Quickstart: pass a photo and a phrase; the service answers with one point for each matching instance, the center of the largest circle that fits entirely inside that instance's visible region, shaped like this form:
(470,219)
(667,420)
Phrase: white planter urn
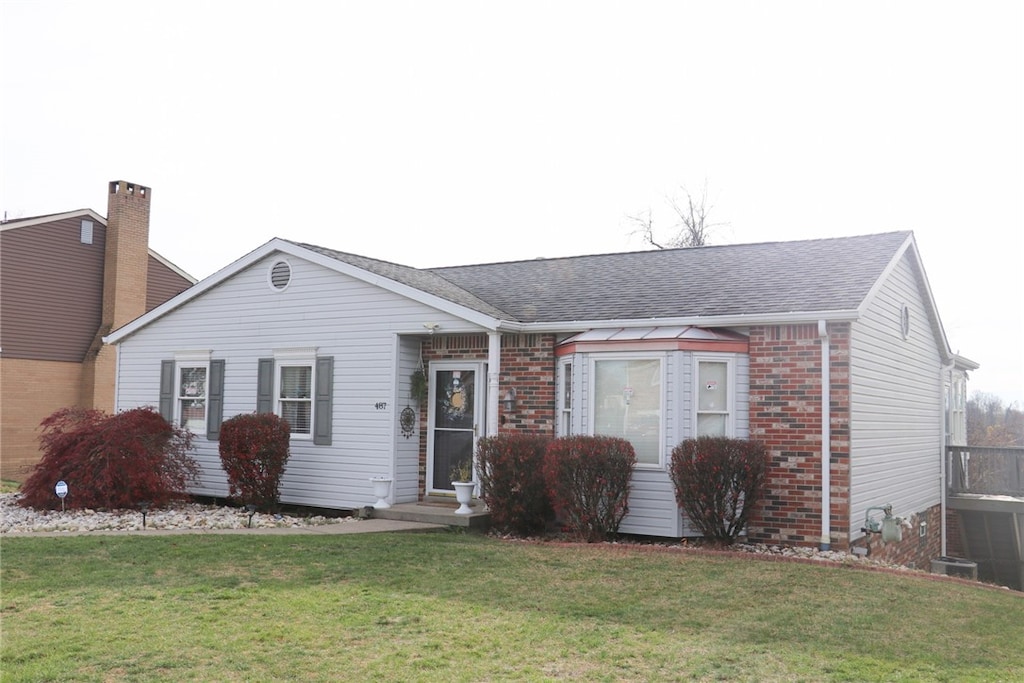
(381,489)
(464,494)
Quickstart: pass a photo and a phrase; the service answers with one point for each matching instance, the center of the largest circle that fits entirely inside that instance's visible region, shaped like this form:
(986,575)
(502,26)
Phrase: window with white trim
(628,402)
(565,399)
(298,385)
(191,372)
(295,396)
(714,402)
(294,389)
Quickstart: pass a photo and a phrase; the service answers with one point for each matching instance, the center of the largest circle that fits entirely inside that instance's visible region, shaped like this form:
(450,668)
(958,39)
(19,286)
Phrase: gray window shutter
(215,400)
(323,405)
(167,390)
(265,386)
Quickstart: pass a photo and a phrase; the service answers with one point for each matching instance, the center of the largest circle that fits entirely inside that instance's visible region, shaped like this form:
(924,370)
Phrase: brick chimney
(127,257)
(125,273)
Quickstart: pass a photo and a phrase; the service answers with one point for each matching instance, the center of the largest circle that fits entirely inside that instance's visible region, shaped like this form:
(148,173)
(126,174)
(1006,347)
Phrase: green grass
(459,607)
(8,486)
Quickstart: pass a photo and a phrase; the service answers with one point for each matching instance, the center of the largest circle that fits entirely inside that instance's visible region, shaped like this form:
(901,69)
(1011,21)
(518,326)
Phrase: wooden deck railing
(984,470)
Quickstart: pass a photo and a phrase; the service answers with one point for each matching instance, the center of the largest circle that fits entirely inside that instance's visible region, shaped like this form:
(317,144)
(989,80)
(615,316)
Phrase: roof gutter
(742,320)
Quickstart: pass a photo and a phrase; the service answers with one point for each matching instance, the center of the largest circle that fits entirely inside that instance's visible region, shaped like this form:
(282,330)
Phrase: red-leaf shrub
(718,483)
(253,452)
(110,461)
(511,472)
(588,481)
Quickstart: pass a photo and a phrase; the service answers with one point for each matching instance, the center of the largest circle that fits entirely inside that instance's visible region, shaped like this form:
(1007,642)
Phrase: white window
(295,396)
(295,389)
(565,399)
(628,402)
(191,373)
(714,397)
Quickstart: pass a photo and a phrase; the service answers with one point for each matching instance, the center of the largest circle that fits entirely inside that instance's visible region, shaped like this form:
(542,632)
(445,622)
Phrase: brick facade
(125,273)
(30,391)
(915,549)
(785,414)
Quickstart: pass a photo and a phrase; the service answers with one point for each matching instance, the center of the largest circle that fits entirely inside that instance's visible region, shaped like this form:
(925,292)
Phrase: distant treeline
(990,423)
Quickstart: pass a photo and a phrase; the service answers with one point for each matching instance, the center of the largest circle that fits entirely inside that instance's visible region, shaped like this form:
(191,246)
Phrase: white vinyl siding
(895,403)
(407,448)
(242,320)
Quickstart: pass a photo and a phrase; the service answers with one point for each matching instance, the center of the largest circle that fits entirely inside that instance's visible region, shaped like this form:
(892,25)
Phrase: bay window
(714,401)
(628,403)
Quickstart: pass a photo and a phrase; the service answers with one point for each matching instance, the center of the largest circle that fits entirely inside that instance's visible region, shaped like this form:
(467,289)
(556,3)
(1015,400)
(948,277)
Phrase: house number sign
(61,489)
(381,405)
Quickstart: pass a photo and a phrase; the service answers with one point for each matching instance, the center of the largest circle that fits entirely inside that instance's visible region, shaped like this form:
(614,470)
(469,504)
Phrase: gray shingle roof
(423,280)
(818,276)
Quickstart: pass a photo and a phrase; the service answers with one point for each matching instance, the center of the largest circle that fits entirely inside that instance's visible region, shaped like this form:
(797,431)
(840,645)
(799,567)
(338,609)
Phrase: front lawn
(457,607)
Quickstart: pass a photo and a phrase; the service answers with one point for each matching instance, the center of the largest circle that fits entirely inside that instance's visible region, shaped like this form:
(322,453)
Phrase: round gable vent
(280,275)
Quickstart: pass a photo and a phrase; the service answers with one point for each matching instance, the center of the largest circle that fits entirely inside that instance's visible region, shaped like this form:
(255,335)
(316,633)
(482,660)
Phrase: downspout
(826,440)
(493,373)
(943,472)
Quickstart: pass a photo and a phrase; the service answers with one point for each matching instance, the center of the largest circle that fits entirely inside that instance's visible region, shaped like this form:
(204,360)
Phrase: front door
(455,419)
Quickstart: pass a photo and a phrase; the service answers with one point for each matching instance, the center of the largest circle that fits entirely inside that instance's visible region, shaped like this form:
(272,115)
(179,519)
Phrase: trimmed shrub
(588,481)
(254,450)
(511,471)
(718,483)
(110,461)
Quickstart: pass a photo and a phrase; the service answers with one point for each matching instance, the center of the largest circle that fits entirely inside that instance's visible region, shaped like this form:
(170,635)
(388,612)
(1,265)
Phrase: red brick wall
(954,536)
(785,414)
(528,365)
(914,550)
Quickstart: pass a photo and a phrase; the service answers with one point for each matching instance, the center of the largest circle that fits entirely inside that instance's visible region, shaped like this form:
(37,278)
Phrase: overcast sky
(440,133)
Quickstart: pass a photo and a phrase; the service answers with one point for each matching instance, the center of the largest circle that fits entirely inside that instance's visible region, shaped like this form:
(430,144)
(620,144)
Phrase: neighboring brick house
(65,281)
(656,346)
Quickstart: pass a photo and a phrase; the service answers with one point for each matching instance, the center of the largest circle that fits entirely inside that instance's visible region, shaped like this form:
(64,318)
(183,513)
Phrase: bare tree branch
(691,230)
(644,227)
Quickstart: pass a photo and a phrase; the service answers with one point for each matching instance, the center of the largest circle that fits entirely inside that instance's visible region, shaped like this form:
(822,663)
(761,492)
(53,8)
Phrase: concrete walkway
(363,526)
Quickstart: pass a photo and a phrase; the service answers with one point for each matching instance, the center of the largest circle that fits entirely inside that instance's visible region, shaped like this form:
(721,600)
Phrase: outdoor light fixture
(509,400)
(431,327)
(144,506)
(252,511)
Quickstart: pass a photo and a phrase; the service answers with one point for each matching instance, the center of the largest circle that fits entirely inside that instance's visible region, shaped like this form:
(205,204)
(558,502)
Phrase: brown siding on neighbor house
(162,283)
(52,289)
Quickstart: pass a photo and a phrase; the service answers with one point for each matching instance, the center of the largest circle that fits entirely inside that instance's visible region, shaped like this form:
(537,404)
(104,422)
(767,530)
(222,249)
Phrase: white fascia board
(16,223)
(278,245)
(743,320)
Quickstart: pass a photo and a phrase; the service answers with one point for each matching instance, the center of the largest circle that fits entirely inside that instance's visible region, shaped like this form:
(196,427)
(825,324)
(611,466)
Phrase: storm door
(457,393)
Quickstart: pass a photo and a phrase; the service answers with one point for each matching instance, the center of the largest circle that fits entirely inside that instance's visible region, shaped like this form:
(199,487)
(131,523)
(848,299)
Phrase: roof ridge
(674,249)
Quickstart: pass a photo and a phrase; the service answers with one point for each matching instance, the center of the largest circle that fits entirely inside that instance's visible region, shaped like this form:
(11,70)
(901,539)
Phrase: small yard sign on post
(61,489)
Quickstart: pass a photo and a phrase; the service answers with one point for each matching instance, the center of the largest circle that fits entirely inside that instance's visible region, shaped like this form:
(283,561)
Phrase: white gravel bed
(17,519)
